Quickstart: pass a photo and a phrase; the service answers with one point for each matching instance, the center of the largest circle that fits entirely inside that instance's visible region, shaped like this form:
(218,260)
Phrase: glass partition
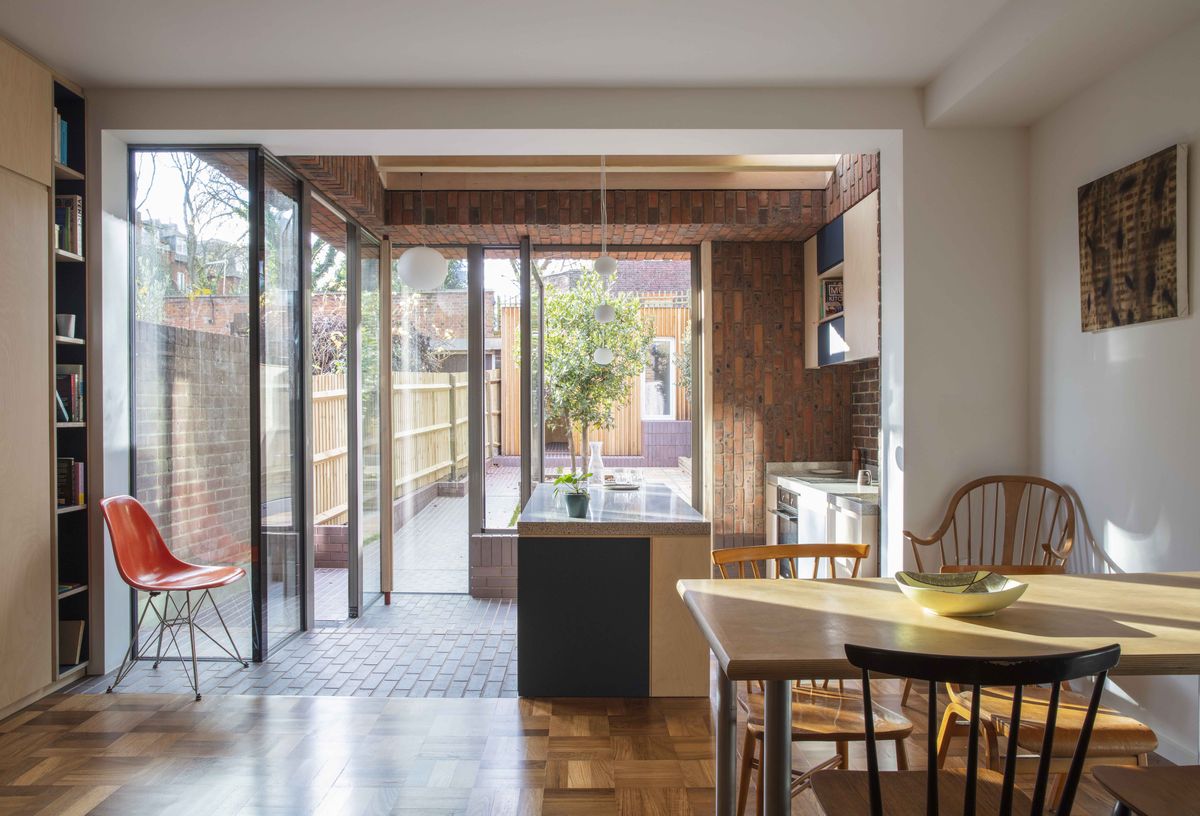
(191,374)
(370,494)
(281,426)
(330,355)
(429,404)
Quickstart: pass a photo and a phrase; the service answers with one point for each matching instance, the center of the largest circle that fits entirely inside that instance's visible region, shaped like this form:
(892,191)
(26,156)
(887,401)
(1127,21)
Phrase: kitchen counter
(652,510)
(599,615)
(842,490)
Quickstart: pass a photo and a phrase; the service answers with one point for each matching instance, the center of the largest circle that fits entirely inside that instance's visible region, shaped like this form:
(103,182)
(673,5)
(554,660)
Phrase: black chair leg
(1121,809)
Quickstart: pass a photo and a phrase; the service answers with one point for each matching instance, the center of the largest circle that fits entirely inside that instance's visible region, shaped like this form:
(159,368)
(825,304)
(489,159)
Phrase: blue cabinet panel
(831,245)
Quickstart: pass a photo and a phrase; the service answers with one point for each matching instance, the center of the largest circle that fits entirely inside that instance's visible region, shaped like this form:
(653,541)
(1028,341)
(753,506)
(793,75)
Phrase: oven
(786,517)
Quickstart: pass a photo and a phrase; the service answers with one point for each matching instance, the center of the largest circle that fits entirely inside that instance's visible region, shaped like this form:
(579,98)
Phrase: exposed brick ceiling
(548,217)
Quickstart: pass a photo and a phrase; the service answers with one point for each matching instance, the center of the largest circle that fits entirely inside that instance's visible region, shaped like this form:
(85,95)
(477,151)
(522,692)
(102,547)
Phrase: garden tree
(211,220)
(580,394)
(328,266)
(683,367)
(456,274)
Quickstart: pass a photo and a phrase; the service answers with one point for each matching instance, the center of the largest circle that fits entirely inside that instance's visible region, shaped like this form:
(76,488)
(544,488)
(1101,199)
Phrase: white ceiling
(981,62)
(515,43)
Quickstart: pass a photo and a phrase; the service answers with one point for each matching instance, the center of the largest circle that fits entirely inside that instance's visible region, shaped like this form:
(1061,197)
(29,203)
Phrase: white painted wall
(1114,414)
(954,367)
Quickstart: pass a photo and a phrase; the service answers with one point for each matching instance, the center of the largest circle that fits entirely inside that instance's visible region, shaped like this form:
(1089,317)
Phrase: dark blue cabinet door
(831,245)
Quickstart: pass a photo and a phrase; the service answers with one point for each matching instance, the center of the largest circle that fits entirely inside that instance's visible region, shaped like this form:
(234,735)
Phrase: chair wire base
(174,615)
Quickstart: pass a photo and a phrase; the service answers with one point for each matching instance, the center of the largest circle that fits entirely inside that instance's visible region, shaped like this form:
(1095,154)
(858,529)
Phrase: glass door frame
(533,428)
(260,568)
(355,601)
(356,235)
(257,159)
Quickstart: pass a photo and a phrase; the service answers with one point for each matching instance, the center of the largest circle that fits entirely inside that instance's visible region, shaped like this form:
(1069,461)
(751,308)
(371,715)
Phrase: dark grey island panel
(583,622)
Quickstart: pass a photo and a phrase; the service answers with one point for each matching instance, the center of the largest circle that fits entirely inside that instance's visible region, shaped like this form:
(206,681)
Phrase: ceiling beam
(486,180)
(591,164)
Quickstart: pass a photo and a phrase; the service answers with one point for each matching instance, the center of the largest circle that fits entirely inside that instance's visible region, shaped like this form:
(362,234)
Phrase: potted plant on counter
(575,485)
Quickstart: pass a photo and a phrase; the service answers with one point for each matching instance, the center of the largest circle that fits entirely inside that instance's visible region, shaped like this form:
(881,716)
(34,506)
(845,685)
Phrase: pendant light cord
(603,206)
(421,204)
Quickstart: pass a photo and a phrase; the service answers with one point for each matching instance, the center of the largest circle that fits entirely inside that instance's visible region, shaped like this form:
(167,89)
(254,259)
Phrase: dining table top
(779,629)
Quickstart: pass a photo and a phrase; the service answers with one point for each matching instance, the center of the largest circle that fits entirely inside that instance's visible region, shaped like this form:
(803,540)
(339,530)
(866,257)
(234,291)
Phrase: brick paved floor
(420,646)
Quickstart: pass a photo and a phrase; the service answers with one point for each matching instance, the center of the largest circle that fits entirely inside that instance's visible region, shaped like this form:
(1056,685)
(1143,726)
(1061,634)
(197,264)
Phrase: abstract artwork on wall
(1133,243)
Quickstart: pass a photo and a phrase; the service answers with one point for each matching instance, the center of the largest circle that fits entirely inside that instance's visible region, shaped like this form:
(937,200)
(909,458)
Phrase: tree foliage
(581,394)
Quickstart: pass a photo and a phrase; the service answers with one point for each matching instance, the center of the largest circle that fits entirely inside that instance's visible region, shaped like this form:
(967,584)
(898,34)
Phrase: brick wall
(864,422)
(573,216)
(854,178)
(193,440)
(493,565)
(766,405)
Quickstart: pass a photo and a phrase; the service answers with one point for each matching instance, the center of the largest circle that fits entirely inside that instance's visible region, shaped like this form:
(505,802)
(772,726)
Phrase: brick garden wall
(193,440)
(766,405)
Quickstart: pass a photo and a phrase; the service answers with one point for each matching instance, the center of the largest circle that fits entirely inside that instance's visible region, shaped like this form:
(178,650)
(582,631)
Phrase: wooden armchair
(1020,525)
(1001,522)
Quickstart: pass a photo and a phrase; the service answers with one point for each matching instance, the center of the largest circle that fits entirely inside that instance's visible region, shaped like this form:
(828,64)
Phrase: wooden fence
(430,429)
(430,416)
(667,319)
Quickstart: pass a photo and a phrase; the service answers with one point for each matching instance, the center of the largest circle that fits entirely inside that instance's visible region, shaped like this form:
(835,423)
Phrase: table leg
(726,759)
(777,748)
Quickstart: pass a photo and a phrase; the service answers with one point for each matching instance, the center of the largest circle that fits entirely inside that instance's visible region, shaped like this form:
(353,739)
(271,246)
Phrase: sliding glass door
(217,427)
(365,542)
(281,409)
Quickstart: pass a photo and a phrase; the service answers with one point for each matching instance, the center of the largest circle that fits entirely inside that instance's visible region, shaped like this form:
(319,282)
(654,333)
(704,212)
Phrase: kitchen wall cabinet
(845,255)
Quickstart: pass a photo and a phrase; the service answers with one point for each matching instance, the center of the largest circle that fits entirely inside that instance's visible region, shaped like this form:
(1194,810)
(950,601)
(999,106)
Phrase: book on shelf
(61,137)
(69,388)
(71,481)
(831,297)
(70,641)
(66,586)
(68,217)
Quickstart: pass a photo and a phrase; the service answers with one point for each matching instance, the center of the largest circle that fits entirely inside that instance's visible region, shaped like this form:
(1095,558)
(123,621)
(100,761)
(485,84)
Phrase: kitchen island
(599,615)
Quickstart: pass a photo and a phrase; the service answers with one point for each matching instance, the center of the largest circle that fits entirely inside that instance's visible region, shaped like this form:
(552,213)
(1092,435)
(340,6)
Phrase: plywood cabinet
(27,116)
(26,497)
(860,276)
(850,270)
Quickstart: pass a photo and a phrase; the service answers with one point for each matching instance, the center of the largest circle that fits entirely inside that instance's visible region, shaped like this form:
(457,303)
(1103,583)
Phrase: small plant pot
(577,505)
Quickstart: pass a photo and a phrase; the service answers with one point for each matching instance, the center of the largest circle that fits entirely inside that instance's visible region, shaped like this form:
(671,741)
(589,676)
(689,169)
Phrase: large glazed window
(191,372)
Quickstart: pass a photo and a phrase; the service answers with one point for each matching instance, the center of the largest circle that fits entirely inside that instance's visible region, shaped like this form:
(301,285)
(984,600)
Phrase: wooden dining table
(778,631)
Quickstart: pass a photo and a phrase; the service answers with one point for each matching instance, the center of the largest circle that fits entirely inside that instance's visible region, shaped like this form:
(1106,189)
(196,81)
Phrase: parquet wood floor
(253,756)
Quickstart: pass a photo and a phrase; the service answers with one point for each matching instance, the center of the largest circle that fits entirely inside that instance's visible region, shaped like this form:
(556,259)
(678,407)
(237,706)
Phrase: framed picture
(1133,243)
(831,297)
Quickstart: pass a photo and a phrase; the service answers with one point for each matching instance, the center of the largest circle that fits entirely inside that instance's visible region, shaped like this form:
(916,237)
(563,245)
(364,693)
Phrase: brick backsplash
(766,406)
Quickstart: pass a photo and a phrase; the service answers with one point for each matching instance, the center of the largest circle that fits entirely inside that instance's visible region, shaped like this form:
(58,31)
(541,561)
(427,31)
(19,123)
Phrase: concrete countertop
(840,489)
(652,510)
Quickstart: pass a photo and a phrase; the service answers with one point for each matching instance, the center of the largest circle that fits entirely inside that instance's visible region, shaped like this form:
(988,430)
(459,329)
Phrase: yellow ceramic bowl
(964,594)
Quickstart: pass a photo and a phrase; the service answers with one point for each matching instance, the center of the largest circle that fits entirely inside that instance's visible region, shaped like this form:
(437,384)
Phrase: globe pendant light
(422,268)
(606,265)
(602,356)
(605,313)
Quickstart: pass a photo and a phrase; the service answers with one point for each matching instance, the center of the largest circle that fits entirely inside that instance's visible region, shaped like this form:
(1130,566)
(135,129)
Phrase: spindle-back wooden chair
(819,713)
(972,790)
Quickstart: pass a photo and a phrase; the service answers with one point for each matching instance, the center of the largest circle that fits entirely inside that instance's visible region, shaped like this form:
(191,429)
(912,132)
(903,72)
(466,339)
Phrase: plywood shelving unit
(69,295)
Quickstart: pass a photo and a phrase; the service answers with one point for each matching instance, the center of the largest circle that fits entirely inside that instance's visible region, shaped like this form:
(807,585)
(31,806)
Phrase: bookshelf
(70,403)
